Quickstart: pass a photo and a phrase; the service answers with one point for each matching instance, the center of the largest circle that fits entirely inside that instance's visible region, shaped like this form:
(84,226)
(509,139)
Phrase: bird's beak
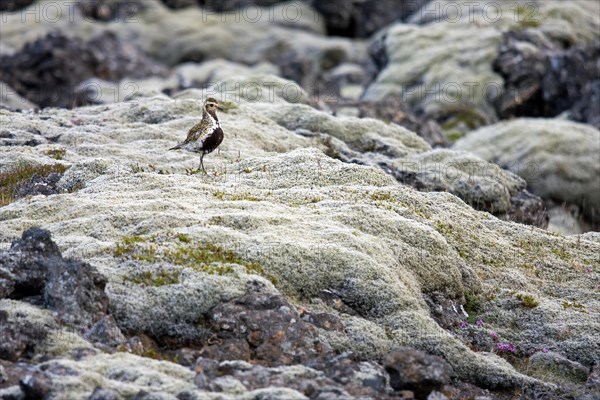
(220,107)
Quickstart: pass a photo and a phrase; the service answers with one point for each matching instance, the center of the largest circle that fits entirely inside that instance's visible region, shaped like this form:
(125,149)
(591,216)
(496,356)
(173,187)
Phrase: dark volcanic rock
(105,332)
(347,380)
(356,19)
(48,70)
(414,370)
(186,356)
(229,349)
(527,208)
(264,327)
(523,207)
(393,109)
(45,185)
(543,79)
(23,268)
(38,241)
(34,266)
(362,18)
(271,333)
(104,394)
(177,4)
(232,5)
(76,290)
(14,5)
(145,395)
(41,382)
(11,373)
(310,71)
(19,336)
(370,377)
(378,54)
(36,386)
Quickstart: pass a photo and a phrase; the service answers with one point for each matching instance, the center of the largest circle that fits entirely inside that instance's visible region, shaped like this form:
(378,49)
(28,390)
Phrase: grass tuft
(57,154)
(11,180)
(527,300)
(472,303)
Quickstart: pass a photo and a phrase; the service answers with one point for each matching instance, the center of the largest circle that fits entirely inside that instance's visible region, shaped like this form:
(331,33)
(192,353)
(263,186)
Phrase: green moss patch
(160,277)
(234,196)
(573,304)
(460,121)
(181,252)
(227,106)
(381,196)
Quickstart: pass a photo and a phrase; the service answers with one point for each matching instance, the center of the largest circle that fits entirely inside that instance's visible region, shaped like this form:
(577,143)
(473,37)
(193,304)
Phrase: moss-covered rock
(442,62)
(557,158)
(314,225)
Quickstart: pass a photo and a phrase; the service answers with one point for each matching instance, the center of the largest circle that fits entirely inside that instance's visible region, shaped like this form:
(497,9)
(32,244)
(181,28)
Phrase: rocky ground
(359,234)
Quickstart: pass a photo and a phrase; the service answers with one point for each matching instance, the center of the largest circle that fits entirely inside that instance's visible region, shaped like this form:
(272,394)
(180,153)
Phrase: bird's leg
(201,163)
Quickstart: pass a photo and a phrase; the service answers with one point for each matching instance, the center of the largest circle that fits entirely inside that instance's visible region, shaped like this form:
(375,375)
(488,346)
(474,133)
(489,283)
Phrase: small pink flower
(588,270)
(545,350)
(464,324)
(479,323)
(506,347)
(494,335)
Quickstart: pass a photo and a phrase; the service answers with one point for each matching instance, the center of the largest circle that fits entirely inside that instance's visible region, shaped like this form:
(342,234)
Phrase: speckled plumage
(206,135)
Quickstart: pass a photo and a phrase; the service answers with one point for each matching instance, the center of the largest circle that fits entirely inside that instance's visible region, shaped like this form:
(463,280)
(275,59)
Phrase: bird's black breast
(213,140)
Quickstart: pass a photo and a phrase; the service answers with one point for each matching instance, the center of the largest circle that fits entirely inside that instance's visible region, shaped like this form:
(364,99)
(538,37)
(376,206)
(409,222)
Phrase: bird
(206,135)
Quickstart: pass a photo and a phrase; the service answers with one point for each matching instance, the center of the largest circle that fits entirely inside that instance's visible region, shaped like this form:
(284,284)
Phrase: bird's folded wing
(194,132)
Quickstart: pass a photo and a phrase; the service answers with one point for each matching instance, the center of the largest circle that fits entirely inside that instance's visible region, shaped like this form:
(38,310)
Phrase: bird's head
(211,105)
